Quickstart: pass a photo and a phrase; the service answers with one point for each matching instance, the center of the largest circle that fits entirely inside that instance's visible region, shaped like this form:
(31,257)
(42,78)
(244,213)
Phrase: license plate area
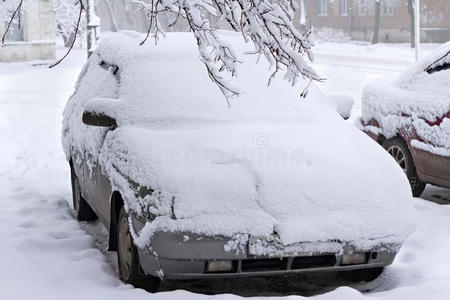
(270,247)
(270,254)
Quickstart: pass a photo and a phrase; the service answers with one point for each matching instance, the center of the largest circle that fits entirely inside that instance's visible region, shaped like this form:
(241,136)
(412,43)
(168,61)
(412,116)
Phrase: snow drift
(271,164)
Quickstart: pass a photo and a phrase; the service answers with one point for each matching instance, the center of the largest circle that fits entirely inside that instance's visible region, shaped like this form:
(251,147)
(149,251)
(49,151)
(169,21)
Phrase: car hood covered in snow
(271,164)
(305,181)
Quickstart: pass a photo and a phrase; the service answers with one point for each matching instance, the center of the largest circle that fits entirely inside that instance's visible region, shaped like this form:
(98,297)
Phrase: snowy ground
(48,255)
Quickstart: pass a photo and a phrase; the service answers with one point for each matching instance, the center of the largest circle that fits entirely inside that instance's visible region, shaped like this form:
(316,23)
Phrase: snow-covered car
(189,187)
(410,117)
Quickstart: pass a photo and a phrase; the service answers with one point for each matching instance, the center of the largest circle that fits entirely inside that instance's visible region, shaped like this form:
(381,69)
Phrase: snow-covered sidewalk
(48,255)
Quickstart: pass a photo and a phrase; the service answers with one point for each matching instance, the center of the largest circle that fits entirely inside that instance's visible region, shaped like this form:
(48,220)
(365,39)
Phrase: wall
(39,34)
(435,22)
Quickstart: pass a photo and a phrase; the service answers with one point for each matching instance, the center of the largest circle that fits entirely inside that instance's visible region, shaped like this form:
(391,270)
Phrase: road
(346,76)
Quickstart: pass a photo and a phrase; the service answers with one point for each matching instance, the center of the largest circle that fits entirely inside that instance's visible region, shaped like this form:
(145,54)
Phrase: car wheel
(83,212)
(398,149)
(128,259)
(362,274)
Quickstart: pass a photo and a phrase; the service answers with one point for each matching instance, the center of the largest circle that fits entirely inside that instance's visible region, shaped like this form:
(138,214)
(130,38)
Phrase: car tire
(362,274)
(83,212)
(398,149)
(128,259)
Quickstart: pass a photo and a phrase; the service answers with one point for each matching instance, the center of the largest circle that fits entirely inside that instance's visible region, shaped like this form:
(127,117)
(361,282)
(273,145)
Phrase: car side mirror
(101,112)
(98,119)
(343,104)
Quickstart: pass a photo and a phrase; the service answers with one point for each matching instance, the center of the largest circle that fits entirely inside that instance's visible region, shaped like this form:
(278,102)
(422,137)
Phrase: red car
(409,115)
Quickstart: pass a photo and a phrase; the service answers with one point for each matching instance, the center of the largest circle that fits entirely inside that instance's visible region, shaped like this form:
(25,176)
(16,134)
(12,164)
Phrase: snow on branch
(267,23)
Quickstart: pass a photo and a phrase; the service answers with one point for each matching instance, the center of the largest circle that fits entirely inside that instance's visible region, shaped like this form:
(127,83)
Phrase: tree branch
(11,20)
(74,37)
(267,23)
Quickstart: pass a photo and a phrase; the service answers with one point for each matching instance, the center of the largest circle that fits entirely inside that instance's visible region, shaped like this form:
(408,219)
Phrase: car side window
(101,80)
(113,69)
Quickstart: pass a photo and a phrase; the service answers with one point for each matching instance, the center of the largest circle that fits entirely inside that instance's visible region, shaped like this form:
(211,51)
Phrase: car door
(433,168)
(431,160)
(100,81)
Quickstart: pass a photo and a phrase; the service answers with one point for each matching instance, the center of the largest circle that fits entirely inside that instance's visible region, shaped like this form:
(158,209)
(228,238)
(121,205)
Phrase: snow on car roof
(170,81)
(414,92)
(438,57)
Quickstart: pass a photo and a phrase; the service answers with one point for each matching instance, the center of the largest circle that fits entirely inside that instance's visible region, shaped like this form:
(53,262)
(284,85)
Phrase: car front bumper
(186,255)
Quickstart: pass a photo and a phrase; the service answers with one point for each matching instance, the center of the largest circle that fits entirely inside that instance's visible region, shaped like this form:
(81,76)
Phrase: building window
(322,7)
(363,8)
(387,9)
(344,8)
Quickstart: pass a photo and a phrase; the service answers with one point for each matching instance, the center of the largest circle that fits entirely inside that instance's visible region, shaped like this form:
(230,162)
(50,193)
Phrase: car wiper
(438,68)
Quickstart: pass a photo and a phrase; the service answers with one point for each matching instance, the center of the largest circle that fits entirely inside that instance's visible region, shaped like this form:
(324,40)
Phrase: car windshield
(442,63)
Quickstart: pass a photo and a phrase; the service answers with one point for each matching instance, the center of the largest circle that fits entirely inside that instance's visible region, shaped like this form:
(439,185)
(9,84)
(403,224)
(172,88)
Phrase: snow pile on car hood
(306,181)
(271,164)
(414,99)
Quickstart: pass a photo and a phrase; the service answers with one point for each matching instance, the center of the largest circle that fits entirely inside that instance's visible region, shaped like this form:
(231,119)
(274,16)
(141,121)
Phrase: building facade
(34,39)
(356,19)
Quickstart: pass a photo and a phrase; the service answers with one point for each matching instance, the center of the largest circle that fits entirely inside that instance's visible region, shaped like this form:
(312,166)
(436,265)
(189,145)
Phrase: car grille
(306,262)
(281,264)
(261,265)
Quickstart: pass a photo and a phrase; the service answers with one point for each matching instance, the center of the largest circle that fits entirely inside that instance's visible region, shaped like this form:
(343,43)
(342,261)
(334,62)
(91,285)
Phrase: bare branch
(74,38)
(17,11)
